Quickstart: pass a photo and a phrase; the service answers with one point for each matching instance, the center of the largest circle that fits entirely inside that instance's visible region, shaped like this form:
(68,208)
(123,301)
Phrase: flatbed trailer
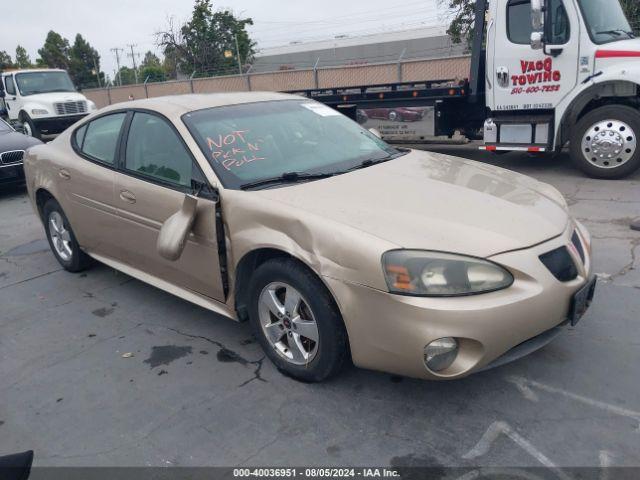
(569,75)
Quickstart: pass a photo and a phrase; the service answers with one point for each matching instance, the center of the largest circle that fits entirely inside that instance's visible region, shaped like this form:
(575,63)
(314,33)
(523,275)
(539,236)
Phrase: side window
(154,149)
(519,27)
(557,25)
(101,137)
(79,136)
(10,87)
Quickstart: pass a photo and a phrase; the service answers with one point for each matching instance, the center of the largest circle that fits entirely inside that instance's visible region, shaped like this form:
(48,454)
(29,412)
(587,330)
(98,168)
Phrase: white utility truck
(544,74)
(44,101)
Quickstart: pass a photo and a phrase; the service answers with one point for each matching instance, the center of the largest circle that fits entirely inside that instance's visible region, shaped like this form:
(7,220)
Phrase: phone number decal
(535,89)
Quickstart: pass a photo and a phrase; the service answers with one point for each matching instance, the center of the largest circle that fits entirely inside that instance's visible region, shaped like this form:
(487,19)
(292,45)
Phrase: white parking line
(500,427)
(525,385)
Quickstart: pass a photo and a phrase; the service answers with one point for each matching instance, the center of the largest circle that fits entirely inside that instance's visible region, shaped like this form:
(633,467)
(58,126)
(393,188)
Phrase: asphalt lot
(197,392)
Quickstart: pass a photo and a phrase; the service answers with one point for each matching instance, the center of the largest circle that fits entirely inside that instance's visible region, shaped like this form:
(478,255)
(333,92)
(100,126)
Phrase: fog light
(440,353)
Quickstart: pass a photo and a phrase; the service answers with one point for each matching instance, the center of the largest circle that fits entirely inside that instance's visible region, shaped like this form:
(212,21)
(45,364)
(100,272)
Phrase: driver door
(528,79)
(156,171)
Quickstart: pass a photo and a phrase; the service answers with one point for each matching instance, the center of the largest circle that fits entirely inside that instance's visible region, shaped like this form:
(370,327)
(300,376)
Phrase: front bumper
(389,332)
(10,174)
(53,125)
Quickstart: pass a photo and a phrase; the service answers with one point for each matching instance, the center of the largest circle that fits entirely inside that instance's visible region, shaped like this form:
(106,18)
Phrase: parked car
(45,101)
(398,114)
(12,147)
(278,210)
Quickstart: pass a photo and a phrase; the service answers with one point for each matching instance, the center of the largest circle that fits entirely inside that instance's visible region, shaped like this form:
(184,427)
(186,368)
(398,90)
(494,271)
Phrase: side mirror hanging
(174,232)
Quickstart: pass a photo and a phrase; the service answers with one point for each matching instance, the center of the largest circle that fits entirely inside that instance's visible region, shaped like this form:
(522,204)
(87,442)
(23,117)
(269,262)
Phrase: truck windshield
(605,20)
(252,142)
(43,82)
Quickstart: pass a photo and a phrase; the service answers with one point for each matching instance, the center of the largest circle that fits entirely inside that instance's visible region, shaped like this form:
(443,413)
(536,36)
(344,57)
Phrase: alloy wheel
(609,144)
(60,236)
(288,323)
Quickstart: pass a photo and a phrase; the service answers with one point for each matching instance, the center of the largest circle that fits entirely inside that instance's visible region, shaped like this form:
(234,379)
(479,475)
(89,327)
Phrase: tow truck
(544,74)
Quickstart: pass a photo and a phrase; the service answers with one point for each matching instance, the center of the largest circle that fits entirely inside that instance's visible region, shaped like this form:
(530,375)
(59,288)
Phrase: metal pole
(146,92)
(315,73)
(109,93)
(133,59)
(191,80)
(118,75)
(238,56)
(249,77)
(95,66)
(404,50)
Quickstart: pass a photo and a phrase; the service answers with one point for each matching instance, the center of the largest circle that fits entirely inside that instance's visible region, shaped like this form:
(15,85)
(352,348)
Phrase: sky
(108,24)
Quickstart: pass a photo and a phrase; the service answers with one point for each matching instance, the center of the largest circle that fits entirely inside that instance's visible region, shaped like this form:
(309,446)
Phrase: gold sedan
(333,244)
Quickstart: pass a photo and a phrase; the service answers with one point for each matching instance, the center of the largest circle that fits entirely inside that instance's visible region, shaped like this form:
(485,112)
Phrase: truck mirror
(537,15)
(537,40)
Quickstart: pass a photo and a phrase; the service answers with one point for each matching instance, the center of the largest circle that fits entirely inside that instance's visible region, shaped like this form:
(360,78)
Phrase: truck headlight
(437,274)
(92,106)
(39,111)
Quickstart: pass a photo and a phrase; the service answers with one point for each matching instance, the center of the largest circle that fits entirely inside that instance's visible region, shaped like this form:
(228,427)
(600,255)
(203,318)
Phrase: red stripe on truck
(616,54)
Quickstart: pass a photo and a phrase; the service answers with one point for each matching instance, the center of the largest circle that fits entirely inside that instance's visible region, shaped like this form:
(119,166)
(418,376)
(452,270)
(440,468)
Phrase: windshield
(605,20)
(44,82)
(255,141)
(4,128)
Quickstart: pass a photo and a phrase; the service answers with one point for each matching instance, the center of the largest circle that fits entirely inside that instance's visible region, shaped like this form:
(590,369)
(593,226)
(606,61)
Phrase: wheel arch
(610,92)
(249,263)
(42,196)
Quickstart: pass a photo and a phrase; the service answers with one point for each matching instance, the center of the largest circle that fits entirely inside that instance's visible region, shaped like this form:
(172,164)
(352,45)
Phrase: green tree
(22,57)
(55,52)
(5,60)
(199,44)
(632,9)
(150,60)
(463,16)
(84,64)
(126,75)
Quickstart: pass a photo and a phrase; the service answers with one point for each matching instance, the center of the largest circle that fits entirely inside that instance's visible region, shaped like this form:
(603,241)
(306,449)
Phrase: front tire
(62,240)
(29,127)
(297,321)
(606,142)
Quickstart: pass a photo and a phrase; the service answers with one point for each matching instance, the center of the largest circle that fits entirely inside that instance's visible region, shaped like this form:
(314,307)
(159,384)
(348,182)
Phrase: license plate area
(581,301)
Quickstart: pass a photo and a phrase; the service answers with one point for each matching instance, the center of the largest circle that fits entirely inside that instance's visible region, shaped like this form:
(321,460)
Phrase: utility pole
(95,67)
(133,59)
(238,56)
(117,51)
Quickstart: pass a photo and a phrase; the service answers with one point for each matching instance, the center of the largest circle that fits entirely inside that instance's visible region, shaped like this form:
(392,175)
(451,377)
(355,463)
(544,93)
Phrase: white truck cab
(45,101)
(564,71)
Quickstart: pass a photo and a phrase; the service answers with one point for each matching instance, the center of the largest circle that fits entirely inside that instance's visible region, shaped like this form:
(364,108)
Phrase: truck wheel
(296,321)
(30,128)
(605,142)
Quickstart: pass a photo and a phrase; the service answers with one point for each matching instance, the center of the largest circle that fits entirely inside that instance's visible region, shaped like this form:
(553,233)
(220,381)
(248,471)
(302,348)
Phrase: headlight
(92,106)
(39,111)
(437,274)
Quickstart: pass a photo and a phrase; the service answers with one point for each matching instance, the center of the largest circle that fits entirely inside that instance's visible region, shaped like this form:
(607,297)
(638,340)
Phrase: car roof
(174,106)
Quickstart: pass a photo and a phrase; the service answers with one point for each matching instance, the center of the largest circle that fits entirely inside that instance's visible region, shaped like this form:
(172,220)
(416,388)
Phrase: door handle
(64,174)
(127,196)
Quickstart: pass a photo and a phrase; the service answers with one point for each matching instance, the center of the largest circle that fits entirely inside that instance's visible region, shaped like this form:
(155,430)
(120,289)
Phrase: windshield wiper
(287,177)
(370,162)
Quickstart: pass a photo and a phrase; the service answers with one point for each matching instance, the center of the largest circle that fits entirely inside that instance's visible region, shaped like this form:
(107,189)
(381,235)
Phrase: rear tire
(606,143)
(62,240)
(288,302)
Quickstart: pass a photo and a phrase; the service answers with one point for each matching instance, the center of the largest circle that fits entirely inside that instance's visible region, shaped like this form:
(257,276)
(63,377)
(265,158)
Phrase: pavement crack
(635,243)
(225,354)
(30,278)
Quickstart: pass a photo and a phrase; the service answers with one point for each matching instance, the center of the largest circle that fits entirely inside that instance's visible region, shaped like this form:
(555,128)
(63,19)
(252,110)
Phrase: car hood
(16,141)
(55,97)
(436,202)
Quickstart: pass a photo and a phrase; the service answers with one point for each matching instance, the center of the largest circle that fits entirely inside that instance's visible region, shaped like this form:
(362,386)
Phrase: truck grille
(560,264)
(14,156)
(71,108)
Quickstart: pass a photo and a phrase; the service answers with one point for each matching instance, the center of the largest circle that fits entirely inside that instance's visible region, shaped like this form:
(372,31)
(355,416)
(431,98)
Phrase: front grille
(560,264)
(575,239)
(70,108)
(14,156)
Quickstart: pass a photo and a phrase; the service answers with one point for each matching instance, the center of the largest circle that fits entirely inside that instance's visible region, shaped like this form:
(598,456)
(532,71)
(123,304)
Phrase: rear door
(87,178)
(156,170)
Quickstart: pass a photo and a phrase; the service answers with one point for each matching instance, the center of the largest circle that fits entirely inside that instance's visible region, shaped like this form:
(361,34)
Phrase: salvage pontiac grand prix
(278,210)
